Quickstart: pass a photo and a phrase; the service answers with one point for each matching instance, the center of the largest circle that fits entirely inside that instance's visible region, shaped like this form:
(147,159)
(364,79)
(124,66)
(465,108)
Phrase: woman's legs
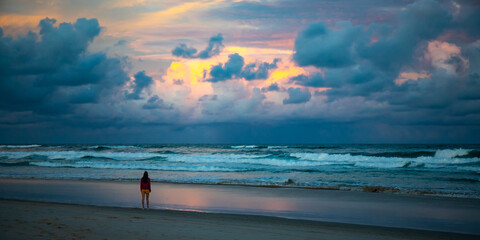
(148,205)
(143,199)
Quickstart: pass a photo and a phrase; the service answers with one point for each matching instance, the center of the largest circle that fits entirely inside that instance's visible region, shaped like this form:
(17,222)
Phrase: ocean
(446,170)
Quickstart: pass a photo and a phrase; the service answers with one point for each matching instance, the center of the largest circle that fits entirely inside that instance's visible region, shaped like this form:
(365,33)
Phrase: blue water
(451,170)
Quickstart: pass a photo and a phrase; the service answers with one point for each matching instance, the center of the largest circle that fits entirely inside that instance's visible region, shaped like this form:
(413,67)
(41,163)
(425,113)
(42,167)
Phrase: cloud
(344,44)
(235,67)
(251,107)
(394,67)
(207,98)
(420,21)
(182,50)
(232,101)
(403,64)
(322,47)
(215,45)
(156,102)
(453,83)
(315,80)
(468,20)
(447,56)
(425,93)
(140,82)
(255,71)
(231,68)
(355,75)
(409,76)
(178,81)
(297,95)
(272,87)
(52,72)
(121,42)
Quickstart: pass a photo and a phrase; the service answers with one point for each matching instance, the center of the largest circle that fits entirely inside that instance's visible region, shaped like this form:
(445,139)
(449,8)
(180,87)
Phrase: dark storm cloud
(156,102)
(345,44)
(215,45)
(140,82)
(234,67)
(359,10)
(423,20)
(373,57)
(377,55)
(471,84)
(255,71)
(231,68)
(297,95)
(294,16)
(356,75)
(360,47)
(468,19)
(84,94)
(182,50)
(51,72)
(315,80)
(271,88)
(320,47)
(208,98)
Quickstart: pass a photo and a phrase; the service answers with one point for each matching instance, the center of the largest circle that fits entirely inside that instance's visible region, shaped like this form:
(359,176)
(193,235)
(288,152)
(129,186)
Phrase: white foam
(470,169)
(385,162)
(113,146)
(311,156)
(244,146)
(20,146)
(70,155)
(451,153)
(240,158)
(250,161)
(143,166)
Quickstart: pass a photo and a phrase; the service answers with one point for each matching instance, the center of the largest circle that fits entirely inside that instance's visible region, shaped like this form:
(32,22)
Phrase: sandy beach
(74,209)
(444,214)
(37,220)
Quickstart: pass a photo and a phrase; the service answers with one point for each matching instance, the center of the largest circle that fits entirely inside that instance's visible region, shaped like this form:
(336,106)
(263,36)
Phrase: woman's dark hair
(145,177)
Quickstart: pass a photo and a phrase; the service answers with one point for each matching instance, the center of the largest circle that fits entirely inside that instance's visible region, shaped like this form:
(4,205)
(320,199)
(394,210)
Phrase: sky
(266,71)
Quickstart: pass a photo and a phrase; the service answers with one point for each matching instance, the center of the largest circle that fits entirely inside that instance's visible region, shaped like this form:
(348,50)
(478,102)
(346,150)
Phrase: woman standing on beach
(145,188)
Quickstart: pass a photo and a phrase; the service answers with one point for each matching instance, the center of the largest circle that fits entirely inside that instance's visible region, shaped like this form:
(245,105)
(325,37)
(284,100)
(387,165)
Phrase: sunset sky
(272,71)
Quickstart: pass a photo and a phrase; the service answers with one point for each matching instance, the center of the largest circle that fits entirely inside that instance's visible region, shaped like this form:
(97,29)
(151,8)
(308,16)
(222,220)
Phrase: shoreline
(372,209)
(28,219)
(365,188)
(412,170)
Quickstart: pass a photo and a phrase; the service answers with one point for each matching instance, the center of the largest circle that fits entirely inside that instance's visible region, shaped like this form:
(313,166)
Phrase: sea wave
(385,162)
(245,146)
(277,147)
(104,147)
(451,153)
(14,164)
(418,168)
(404,154)
(20,146)
(138,166)
(71,155)
(283,160)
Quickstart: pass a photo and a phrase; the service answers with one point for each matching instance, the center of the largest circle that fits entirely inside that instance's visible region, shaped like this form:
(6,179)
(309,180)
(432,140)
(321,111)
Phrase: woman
(145,188)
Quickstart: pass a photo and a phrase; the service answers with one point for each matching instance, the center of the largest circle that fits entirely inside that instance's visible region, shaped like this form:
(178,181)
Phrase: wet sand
(36,220)
(327,207)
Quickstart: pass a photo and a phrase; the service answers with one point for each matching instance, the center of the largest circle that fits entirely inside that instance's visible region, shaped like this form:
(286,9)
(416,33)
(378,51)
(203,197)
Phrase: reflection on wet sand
(380,209)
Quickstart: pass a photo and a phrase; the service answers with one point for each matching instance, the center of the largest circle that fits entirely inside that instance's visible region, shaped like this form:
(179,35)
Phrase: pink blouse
(146,185)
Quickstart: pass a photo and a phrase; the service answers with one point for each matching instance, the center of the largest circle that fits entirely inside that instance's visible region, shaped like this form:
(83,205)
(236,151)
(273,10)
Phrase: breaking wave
(416,168)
